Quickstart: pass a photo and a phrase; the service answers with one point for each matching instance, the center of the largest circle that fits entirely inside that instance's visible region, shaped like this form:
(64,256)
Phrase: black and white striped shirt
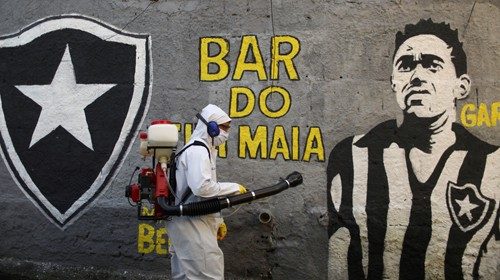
(384,223)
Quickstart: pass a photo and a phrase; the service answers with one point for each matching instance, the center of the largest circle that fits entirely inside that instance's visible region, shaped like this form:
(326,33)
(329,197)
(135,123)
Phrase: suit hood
(209,113)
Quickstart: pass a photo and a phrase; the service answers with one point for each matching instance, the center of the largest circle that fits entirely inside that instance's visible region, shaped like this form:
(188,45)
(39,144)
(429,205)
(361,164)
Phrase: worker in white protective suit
(194,248)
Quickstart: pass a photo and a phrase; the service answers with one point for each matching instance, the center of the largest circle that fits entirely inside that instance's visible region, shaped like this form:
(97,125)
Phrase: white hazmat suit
(196,253)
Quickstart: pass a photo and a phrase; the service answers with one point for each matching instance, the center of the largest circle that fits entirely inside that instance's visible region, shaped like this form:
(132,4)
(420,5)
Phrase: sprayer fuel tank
(162,138)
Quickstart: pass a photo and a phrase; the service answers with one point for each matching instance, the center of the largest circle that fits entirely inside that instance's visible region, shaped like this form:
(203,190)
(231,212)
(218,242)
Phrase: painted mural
(261,142)
(419,197)
(69,111)
(412,193)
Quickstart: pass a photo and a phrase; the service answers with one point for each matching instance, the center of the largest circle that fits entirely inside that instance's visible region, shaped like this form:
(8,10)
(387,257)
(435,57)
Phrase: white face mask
(221,138)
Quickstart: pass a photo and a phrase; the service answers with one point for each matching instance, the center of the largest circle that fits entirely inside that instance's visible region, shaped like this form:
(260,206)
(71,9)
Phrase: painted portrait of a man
(416,199)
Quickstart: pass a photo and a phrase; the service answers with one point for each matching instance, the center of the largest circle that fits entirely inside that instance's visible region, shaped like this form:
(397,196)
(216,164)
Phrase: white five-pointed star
(63,103)
(465,207)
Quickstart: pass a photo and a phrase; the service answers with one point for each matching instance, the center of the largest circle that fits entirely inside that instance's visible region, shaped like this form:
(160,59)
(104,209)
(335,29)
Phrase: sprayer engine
(159,143)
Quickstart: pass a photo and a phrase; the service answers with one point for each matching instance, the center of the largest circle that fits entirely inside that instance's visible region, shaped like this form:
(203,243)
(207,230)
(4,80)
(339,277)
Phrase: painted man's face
(424,77)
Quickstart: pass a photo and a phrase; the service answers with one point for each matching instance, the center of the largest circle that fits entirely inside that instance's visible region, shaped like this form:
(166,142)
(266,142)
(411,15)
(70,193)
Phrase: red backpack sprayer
(160,143)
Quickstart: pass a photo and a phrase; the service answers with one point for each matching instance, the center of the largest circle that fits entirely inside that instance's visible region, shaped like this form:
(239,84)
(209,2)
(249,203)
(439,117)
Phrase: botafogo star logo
(73,92)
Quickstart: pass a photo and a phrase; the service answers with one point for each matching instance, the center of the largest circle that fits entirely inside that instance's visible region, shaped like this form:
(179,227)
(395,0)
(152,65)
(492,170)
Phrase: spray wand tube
(216,204)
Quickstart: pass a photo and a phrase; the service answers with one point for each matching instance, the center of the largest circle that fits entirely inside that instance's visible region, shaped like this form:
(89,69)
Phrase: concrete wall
(67,159)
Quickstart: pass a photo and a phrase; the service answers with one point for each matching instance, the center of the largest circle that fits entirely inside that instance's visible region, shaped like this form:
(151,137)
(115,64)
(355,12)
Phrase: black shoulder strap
(195,143)
(189,192)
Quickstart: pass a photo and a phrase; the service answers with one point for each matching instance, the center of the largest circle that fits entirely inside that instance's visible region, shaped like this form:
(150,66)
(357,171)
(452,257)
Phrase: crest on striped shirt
(467,206)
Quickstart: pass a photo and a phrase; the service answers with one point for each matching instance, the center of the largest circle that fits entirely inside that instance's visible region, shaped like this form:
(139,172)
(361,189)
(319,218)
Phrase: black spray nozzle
(294,179)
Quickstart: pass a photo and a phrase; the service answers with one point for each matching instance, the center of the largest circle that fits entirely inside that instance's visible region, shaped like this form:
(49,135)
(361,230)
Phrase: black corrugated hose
(214,205)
